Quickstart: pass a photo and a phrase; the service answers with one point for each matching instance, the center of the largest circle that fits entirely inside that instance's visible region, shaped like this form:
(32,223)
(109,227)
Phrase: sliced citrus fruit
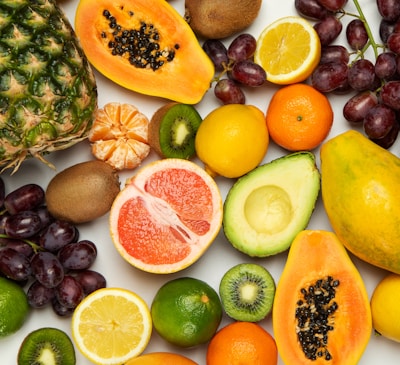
(166,216)
(288,49)
(111,326)
(119,136)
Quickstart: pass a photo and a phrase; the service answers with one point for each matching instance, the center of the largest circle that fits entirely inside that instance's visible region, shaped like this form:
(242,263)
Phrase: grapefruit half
(166,216)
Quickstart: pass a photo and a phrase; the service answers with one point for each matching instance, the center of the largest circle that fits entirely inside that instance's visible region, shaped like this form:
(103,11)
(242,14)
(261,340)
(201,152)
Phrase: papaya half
(360,192)
(321,311)
(145,46)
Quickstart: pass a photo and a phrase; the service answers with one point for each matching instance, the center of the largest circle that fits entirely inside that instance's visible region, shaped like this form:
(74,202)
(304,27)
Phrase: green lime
(14,307)
(186,312)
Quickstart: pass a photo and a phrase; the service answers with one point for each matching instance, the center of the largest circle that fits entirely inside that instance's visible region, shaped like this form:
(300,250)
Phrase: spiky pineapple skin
(48,93)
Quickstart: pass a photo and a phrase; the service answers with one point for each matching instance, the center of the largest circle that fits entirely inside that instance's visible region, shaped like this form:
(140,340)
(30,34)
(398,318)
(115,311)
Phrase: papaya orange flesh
(360,192)
(321,309)
(145,46)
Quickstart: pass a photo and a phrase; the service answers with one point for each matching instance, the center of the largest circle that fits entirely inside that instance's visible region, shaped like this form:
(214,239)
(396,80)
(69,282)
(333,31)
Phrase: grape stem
(35,247)
(371,41)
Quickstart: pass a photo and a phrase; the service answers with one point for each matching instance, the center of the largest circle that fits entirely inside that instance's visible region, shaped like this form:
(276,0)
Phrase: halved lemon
(288,49)
(111,326)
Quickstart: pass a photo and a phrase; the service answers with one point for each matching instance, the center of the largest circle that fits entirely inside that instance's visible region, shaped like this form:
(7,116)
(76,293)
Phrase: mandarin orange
(299,117)
(119,136)
(242,343)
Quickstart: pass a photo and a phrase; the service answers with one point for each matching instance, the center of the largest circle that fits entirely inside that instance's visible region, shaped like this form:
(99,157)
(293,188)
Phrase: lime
(186,312)
(14,307)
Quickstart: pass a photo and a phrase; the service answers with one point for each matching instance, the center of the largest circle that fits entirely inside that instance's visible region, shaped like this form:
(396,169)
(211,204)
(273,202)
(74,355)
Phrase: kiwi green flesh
(47,346)
(247,292)
(176,126)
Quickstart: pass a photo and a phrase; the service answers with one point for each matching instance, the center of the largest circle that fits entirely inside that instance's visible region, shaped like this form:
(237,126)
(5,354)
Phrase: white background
(220,256)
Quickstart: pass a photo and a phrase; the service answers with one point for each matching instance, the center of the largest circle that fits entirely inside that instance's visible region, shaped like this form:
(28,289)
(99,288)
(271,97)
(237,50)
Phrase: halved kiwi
(172,130)
(47,346)
(247,292)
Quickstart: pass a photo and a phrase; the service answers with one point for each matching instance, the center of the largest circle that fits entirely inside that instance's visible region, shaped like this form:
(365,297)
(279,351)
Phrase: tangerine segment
(299,117)
(111,325)
(166,216)
(289,49)
(119,136)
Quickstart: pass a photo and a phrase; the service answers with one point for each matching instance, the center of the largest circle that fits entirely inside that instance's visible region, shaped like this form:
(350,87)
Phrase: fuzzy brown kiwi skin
(217,19)
(82,192)
(154,128)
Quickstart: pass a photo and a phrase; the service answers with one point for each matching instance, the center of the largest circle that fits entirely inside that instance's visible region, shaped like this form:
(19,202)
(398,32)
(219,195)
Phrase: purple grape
(2,192)
(44,215)
(357,107)
(311,9)
(387,141)
(39,296)
(333,5)
(390,94)
(77,256)
(334,53)
(328,29)
(393,42)
(330,76)
(379,121)
(26,197)
(57,234)
(356,34)
(389,9)
(17,245)
(61,310)
(69,292)
(90,280)
(361,75)
(47,269)
(385,30)
(242,47)
(386,66)
(217,52)
(248,73)
(229,92)
(14,265)
(22,225)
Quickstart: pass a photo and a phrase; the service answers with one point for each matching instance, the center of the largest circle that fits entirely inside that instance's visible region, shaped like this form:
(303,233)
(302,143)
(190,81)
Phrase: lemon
(385,308)
(111,326)
(288,49)
(14,307)
(232,140)
(186,312)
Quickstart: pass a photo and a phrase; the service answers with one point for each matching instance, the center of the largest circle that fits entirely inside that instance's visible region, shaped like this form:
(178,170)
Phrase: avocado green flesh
(265,209)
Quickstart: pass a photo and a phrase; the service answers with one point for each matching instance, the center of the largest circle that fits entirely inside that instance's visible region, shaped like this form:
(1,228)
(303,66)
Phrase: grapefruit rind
(158,215)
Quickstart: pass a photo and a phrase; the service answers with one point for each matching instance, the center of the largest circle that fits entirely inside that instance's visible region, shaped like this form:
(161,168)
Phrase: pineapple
(48,94)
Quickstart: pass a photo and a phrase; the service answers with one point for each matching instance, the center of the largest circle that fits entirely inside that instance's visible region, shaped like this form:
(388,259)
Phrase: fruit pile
(44,253)
(351,68)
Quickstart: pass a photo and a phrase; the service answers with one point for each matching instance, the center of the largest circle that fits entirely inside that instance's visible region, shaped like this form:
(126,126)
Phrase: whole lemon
(186,312)
(232,140)
(385,308)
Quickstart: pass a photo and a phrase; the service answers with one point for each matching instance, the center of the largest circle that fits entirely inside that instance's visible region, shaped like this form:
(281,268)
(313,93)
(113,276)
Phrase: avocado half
(266,208)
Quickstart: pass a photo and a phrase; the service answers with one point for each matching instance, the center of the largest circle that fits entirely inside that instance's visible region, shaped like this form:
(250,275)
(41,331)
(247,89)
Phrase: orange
(119,136)
(161,358)
(299,117)
(242,343)
(288,49)
(166,216)
(232,140)
(111,326)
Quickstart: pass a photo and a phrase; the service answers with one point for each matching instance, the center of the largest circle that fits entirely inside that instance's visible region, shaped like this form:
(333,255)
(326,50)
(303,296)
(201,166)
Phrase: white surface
(221,256)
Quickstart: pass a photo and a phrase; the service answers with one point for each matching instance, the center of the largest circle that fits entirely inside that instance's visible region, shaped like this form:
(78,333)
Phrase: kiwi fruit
(172,130)
(217,19)
(47,346)
(247,292)
(82,192)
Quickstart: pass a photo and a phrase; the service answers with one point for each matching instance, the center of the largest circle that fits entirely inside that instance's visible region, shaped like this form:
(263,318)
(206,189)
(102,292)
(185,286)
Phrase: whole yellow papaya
(360,185)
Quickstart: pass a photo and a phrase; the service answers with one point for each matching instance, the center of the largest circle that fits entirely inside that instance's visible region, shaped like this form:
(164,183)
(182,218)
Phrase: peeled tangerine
(360,191)
(321,309)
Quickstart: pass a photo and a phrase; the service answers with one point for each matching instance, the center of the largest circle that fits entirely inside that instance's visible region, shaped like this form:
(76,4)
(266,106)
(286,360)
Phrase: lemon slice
(111,326)
(288,49)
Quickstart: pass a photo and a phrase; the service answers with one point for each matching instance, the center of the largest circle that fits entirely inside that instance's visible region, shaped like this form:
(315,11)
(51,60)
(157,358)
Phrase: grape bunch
(235,67)
(44,254)
(373,79)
